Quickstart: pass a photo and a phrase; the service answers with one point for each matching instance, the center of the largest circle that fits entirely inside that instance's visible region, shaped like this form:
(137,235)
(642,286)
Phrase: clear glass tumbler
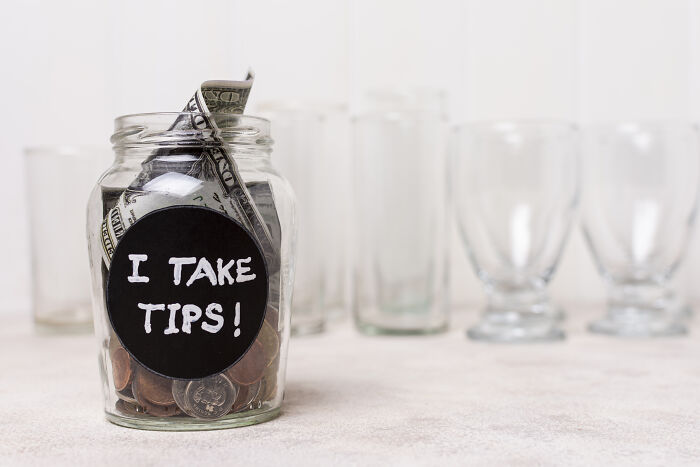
(400,255)
(515,187)
(640,198)
(299,147)
(59,180)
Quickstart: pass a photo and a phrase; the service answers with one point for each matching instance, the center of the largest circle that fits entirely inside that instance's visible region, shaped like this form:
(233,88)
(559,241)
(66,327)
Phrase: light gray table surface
(357,400)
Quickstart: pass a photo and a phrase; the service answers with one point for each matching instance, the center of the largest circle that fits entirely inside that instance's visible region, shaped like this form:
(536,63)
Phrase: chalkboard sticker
(187,291)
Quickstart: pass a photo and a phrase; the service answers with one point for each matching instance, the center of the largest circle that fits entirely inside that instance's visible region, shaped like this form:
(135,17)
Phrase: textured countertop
(350,399)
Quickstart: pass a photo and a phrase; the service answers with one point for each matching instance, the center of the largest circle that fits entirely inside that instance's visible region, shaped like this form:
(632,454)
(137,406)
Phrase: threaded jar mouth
(195,129)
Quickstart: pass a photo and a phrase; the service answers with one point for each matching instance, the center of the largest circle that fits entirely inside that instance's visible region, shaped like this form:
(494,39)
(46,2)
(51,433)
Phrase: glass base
(193,424)
(375,330)
(518,326)
(635,322)
(53,328)
(642,310)
(70,318)
(306,329)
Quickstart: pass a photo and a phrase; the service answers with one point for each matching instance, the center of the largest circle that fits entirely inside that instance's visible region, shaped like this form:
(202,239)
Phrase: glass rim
(146,115)
(158,129)
(65,150)
(398,114)
(502,124)
(641,123)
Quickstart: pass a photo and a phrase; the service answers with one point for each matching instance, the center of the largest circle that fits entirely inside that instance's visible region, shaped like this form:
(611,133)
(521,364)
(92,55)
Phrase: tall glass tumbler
(640,200)
(298,136)
(59,180)
(400,254)
(515,187)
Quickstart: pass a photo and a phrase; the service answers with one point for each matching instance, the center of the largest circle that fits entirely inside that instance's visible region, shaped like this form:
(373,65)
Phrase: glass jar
(191,235)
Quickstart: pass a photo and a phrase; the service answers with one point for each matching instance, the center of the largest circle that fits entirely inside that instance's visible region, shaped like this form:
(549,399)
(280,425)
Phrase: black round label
(187,291)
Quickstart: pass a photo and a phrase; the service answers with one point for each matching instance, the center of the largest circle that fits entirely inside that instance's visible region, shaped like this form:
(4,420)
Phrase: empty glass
(299,149)
(515,187)
(641,183)
(59,180)
(400,257)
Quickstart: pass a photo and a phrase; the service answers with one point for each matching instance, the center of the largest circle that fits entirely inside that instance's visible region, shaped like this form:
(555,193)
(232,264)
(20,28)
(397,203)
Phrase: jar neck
(177,156)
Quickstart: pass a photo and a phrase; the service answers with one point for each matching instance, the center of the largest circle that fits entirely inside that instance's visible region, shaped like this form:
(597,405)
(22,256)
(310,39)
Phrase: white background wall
(68,68)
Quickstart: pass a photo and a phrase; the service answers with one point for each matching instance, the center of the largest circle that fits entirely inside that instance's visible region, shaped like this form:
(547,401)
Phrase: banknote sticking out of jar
(190,234)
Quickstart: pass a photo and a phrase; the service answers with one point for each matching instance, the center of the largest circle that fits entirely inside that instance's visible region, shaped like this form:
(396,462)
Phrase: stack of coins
(247,385)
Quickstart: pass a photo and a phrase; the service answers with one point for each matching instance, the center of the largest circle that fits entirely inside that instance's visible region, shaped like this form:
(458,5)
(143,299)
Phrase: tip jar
(191,234)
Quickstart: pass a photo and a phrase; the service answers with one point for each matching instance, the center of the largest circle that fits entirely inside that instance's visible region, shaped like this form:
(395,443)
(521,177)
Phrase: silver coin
(179,389)
(211,397)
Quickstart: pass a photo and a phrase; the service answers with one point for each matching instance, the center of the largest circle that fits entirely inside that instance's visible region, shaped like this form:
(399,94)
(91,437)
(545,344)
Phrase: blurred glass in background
(312,150)
(59,181)
(400,252)
(515,188)
(640,200)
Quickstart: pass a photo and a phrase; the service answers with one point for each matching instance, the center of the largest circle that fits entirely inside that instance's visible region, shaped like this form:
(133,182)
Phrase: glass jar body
(128,385)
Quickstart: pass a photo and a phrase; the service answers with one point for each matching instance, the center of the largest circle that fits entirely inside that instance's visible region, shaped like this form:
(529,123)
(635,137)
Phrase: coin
(250,368)
(160,410)
(179,387)
(152,388)
(127,395)
(269,379)
(128,408)
(211,397)
(270,341)
(272,316)
(122,371)
(246,395)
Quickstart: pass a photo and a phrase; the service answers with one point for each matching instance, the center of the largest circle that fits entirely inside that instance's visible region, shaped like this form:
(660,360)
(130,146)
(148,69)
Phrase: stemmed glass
(640,198)
(515,187)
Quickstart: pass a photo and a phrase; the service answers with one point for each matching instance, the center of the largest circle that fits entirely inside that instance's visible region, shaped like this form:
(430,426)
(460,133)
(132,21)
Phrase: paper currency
(213,161)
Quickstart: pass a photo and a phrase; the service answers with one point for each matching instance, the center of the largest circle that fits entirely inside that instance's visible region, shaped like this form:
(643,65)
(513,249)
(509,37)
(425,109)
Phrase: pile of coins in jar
(244,386)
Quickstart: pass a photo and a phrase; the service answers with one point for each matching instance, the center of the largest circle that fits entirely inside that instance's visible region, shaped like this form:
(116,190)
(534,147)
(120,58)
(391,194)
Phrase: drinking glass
(400,256)
(640,197)
(298,136)
(59,180)
(515,187)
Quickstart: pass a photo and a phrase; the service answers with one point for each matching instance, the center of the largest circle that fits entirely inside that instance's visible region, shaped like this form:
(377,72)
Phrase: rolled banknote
(159,185)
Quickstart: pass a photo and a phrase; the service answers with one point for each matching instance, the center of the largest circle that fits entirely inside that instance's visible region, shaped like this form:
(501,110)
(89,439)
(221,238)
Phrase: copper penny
(246,395)
(128,408)
(126,395)
(160,410)
(268,384)
(270,341)
(151,388)
(270,377)
(122,370)
(250,368)
(272,316)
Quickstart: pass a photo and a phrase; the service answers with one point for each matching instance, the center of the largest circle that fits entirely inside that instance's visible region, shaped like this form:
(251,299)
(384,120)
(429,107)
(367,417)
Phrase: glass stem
(646,298)
(522,301)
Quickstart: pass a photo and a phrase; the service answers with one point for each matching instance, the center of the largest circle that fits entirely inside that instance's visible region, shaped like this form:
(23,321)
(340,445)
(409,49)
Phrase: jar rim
(145,115)
(158,129)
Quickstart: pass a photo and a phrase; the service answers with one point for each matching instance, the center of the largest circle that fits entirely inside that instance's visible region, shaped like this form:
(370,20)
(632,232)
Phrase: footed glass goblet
(515,187)
(639,206)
